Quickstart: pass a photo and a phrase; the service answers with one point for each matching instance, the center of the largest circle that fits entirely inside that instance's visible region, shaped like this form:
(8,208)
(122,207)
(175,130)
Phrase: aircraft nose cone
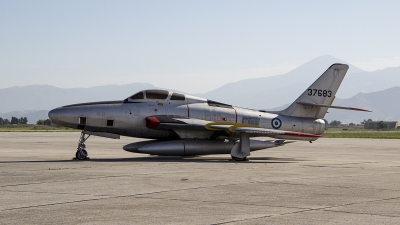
(53,115)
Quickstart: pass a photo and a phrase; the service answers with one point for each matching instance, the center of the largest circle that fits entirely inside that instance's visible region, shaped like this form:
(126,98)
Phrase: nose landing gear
(81,152)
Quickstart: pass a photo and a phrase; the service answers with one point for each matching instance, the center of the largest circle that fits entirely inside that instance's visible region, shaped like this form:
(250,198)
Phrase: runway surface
(331,181)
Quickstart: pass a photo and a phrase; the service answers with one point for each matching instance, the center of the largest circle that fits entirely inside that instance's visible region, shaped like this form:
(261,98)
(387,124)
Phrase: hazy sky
(192,46)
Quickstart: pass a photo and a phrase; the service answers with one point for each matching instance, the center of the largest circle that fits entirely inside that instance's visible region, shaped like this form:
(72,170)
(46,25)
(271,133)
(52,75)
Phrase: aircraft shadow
(196,160)
(167,159)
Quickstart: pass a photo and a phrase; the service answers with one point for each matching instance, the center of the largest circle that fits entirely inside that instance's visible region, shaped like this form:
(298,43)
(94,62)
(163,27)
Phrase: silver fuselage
(128,117)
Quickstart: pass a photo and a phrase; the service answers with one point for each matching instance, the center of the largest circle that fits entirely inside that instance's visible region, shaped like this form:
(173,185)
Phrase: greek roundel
(276,123)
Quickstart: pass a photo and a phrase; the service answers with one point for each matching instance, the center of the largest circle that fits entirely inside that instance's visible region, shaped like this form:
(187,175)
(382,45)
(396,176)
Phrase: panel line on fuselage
(235,114)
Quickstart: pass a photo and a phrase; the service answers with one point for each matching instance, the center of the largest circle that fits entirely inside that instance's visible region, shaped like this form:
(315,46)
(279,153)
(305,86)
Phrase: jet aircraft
(184,125)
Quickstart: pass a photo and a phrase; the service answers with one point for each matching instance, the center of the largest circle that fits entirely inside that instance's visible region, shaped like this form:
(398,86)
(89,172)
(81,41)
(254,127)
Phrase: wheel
(81,154)
(239,159)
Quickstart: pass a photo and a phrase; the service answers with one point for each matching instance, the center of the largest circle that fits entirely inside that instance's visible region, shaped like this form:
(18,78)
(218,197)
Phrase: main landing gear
(81,152)
(241,150)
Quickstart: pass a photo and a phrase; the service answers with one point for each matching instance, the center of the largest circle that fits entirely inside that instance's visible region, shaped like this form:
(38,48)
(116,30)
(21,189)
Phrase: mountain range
(375,90)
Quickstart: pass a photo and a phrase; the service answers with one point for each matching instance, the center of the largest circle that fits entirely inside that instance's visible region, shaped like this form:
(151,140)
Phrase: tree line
(23,120)
(44,122)
(380,125)
(14,120)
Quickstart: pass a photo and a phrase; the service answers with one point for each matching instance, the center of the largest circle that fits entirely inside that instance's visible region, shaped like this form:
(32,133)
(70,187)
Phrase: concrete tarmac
(331,181)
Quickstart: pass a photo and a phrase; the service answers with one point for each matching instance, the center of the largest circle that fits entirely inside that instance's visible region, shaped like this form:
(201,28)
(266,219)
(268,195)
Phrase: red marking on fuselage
(301,134)
(152,122)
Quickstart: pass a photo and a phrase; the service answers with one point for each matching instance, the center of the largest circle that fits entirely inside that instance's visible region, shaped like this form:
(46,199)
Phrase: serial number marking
(319,92)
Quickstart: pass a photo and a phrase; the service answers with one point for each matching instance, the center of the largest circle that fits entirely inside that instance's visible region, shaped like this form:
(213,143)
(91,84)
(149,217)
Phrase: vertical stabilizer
(321,92)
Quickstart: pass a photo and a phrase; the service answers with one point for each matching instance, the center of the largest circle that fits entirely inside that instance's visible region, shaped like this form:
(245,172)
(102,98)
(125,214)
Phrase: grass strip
(357,132)
(34,128)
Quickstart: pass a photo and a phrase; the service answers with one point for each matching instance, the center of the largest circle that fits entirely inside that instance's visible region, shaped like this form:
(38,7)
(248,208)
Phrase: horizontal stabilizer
(332,106)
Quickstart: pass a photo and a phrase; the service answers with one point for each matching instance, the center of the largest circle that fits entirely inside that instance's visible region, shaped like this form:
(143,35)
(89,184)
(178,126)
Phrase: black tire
(239,159)
(80,155)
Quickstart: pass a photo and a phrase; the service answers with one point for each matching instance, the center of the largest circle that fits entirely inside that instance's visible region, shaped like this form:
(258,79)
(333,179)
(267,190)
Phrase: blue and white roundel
(276,123)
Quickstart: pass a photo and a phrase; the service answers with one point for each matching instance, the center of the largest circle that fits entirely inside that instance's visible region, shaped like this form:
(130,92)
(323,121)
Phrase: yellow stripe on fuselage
(207,126)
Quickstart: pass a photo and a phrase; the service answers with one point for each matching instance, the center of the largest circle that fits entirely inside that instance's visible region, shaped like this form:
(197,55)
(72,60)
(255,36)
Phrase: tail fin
(315,101)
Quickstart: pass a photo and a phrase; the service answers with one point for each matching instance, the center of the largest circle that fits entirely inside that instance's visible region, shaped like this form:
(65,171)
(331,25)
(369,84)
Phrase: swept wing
(176,123)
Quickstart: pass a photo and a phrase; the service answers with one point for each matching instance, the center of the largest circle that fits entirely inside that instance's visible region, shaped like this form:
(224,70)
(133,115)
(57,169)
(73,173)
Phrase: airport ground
(331,181)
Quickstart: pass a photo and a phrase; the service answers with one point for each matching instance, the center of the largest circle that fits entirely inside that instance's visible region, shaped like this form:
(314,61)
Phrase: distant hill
(367,82)
(270,92)
(383,104)
(46,97)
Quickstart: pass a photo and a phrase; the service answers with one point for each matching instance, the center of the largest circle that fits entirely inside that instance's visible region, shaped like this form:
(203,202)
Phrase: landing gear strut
(241,150)
(81,152)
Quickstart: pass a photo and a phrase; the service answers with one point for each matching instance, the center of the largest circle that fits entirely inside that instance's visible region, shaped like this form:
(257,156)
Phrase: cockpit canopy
(150,94)
(157,95)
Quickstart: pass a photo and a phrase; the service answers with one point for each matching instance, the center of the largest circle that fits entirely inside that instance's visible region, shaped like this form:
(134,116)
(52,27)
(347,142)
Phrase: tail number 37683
(319,92)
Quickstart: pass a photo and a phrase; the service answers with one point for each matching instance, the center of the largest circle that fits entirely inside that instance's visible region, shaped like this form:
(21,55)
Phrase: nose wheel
(81,153)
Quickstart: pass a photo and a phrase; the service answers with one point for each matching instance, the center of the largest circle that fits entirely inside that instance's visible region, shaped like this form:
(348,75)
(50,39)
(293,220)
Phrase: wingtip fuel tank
(194,147)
